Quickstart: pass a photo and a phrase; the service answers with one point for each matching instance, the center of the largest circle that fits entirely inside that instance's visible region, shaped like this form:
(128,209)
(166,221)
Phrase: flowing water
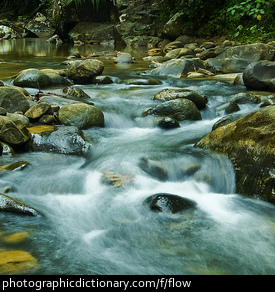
(89,227)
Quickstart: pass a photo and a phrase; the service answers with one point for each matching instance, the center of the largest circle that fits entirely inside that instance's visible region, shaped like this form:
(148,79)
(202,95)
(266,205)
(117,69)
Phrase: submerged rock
(249,142)
(14,262)
(163,202)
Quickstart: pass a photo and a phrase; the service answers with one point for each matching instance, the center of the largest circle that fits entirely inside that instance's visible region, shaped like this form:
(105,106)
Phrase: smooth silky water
(88,227)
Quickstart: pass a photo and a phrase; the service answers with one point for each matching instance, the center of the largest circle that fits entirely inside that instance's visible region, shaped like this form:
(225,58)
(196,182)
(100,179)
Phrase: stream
(92,228)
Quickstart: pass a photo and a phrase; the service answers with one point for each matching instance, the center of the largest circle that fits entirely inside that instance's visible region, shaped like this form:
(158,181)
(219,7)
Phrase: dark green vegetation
(246,20)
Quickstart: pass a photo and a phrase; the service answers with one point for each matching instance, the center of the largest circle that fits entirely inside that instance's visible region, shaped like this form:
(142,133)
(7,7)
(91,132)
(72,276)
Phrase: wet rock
(20,120)
(163,202)
(13,99)
(35,78)
(38,110)
(179,109)
(19,165)
(12,133)
(227,120)
(260,76)
(6,150)
(14,262)
(8,204)
(167,123)
(81,115)
(244,98)
(83,71)
(228,107)
(102,80)
(250,144)
(63,140)
(178,53)
(234,65)
(16,238)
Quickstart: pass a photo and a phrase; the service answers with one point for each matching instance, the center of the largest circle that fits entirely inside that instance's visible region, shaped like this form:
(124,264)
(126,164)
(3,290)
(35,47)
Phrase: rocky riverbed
(55,111)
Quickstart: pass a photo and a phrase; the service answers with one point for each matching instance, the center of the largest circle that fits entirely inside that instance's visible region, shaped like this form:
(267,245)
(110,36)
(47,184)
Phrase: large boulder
(35,78)
(64,140)
(179,109)
(81,115)
(181,67)
(250,144)
(236,57)
(260,76)
(174,26)
(83,71)
(13,99)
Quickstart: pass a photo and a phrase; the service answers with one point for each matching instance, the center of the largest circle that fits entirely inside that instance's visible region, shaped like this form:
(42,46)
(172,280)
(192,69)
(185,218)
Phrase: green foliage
(253,19)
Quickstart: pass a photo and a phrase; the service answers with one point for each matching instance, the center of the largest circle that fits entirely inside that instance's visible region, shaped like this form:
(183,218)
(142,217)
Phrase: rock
(181,67)
(234,65)
(167,123)
(170,94)
(75,91)
(227,120)
(206,54)
(40,26)
(123,58)
(81,115)
(260,76)
(13,99)
(228,107)
(19,165)
(142,81)
(102,80)
(8,204)
(38,110)
(179,109)
(244,97)
(11,133)
(83,71)
(35,78)
(250,144)
(174,27)
(169,203)
(15,262)
(178,53)
(249,53)
(64,140)
(19,120)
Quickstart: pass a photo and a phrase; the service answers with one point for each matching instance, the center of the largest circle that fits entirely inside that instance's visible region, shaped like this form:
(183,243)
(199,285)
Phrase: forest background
(244,21)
